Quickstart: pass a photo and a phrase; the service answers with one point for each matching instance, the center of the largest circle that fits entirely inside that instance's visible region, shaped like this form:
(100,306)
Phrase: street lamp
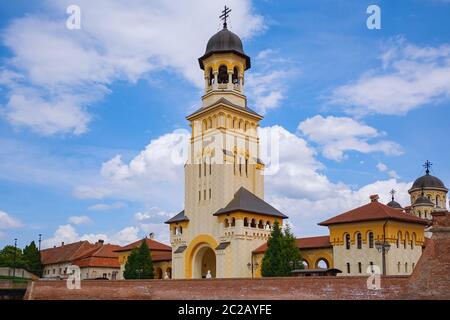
(383,247)
(14,258)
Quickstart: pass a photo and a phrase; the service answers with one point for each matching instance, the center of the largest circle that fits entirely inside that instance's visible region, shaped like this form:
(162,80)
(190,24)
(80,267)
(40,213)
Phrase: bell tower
(224,64)
(225,217)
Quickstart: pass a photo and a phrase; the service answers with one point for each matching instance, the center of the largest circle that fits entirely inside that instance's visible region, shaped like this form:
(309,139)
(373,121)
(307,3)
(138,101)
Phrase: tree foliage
(139,263)
(282,255)
(32,259)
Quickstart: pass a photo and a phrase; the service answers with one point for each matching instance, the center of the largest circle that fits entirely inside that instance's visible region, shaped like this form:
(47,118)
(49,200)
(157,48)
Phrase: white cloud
(336,135)
(153,213)
(8,222)
(384,168)
(68,234)
(80,220)
(154,176)
(106,207)
(267,87)
(56,74)
(410,77)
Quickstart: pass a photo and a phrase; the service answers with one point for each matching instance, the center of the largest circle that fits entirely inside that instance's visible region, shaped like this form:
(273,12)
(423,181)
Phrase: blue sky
(87,116)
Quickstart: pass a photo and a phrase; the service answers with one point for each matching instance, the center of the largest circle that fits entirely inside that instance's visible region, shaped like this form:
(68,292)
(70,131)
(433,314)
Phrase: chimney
(374,198)
(151,235)
(100,242)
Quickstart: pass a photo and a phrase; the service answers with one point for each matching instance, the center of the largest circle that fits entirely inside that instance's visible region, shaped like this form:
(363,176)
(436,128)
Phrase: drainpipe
(383,250)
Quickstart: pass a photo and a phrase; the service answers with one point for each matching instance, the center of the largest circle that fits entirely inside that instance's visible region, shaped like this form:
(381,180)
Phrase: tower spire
(392,192)
(427,166)
(224,16)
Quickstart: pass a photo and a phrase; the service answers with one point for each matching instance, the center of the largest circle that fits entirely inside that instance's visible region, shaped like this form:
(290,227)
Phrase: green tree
(32,259)
(7,257)
(139,263)
(282,255)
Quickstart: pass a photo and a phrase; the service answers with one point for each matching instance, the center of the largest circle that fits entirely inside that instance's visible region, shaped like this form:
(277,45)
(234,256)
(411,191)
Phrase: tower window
(204,194)
(359,267)
(210,193)
(347,241)
(371,267)
(348,267)
(200,170)
(246,167)
(245,222)
(370,239)
(223,75)
(359,241)
(398,267)
(235,76)
(210,169)
(233,222)
(199,196)
(211,76)
(406,267)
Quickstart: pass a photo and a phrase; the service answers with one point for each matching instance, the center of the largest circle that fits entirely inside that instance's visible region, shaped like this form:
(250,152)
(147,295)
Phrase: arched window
(359,240)
(348,267)
(180,230)
(437,201)
(235,75)
(413,240)
(175,231)
(245,222)
(261,224)
(233,222)
(253,224)
(398,267)
(406,240)
(268,225)
(370,236)
(226,223)
(399,237)
(347,241)
(211,76)
(406,267)
(420,214)
(359,267)
(223,75)
(412,267)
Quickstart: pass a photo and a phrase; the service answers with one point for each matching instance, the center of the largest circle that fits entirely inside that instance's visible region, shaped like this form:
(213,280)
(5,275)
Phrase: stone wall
(430,280)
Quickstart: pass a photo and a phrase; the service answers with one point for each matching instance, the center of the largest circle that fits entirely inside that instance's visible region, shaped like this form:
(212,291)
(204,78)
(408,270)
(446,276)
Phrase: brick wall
(430,280)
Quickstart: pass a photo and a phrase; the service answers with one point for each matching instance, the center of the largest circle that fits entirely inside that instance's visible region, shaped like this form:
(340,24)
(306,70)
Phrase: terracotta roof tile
(152,244)
(65,253)
(161,256)
(373,211)
(304,243)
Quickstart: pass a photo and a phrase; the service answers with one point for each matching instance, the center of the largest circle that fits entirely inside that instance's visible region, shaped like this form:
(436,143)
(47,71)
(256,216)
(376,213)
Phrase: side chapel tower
(225,217)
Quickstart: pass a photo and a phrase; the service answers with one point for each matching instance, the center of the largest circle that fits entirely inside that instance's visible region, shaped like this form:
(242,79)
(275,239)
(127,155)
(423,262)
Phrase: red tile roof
(100,256)
(161,256)
(152,244)
(83,254)
(373,211)
(65,253)
(304,243)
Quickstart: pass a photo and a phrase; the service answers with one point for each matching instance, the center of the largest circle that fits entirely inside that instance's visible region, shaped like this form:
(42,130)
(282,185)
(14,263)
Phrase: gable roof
(245,200)
(153,245)
(178,218)
(225,102)
(374,210)
(101,256)
(66,252)
(303,243)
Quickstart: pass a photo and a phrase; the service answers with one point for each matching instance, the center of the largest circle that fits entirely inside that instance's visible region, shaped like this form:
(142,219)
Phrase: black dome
(428,181)
(422,200)
(394,204)
(225,41)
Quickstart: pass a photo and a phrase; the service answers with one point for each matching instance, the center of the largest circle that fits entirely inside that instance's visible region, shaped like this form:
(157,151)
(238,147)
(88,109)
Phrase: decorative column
(230,80)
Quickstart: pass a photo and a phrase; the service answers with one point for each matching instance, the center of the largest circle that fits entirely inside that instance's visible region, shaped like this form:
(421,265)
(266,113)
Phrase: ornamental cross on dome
(427,166)
(393,192)
(225,15)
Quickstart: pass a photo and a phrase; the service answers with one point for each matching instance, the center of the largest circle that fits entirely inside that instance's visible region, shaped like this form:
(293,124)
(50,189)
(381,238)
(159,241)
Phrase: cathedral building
(222,231)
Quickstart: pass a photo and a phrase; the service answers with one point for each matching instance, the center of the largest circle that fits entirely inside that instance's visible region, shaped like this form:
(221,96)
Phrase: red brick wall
(430,280)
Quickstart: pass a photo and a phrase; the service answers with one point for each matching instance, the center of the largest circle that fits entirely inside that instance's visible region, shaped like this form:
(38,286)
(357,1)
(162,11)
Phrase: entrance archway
(204,261)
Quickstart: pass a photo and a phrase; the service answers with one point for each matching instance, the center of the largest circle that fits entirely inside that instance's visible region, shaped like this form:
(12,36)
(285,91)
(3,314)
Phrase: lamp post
(14,258)
(40,239)
(383,247)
